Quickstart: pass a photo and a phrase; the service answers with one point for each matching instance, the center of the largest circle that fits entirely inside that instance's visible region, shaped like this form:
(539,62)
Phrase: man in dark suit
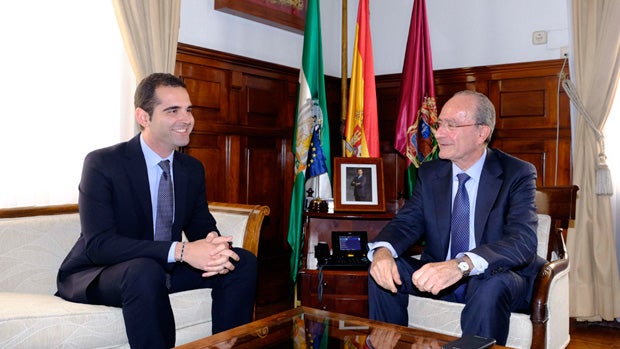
(118,261)
(493,273)
(360,186)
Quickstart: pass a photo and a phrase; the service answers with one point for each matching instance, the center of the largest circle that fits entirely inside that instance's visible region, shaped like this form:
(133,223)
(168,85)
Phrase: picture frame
(353,193)
(284,14)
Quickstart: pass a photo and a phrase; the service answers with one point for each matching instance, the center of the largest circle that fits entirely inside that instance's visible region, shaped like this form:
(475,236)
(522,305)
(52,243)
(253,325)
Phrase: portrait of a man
(361,186)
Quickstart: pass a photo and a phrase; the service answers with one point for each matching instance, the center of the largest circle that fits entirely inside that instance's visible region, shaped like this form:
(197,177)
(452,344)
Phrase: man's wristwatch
(463,266)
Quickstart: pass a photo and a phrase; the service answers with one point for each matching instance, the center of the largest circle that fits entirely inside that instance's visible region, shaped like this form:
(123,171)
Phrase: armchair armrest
(548,275)
(243,221)
(557,247)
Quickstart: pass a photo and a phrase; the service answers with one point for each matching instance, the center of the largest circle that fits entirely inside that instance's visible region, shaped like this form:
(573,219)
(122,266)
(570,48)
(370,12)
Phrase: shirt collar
(151,157)
(474,171)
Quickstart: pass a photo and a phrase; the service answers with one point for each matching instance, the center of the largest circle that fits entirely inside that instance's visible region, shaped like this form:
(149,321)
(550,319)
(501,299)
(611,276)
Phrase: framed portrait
(358,184)
(285,14)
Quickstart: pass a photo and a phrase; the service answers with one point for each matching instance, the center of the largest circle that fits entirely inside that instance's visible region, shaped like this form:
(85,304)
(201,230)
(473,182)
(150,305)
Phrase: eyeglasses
(451,126)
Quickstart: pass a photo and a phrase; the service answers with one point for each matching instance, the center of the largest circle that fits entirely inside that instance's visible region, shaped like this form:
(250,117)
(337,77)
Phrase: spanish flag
(361,133)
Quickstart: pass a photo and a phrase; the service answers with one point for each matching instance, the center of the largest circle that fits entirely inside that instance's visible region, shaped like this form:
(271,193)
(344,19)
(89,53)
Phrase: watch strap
(463,266)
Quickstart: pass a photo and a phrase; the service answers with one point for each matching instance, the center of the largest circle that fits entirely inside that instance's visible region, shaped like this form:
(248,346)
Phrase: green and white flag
(311,135)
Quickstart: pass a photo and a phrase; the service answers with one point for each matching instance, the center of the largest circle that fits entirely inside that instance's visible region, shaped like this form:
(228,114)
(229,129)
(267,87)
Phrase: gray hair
(485,110)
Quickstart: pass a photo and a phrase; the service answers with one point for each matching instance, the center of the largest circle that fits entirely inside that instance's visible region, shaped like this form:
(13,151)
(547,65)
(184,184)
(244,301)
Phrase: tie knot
(165,165)
(463,177)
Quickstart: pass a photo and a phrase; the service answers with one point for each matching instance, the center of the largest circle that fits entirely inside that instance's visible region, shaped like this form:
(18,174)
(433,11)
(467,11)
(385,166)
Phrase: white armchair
(548,324)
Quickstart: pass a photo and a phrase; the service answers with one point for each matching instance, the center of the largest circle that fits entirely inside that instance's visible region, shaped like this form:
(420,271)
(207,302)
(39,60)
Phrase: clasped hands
(212,254)
(432,277)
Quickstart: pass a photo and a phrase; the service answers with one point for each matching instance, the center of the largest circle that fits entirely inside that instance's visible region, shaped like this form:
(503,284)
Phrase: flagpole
(343,74)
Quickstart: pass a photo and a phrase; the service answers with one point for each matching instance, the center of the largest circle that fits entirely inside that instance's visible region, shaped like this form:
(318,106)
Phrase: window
(67,89)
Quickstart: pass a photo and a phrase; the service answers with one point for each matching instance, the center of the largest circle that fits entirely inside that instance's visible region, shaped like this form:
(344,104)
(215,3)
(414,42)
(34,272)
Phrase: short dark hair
(145,98)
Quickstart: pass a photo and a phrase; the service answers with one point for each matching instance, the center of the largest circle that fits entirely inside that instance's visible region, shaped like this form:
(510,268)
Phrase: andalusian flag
(311,134)
(361,133)
(418,110)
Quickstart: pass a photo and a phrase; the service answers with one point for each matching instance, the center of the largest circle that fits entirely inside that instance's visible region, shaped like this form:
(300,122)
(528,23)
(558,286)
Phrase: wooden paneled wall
(244,112)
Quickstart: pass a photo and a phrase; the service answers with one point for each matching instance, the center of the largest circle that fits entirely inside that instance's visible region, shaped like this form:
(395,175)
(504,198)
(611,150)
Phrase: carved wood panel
(213,150)
(210,90)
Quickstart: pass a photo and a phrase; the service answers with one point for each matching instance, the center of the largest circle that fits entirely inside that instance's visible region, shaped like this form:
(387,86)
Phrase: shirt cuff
(171,252)
(372,246)
(480,264)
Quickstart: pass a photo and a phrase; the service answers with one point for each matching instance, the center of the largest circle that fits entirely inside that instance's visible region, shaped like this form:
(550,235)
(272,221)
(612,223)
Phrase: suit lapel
(488,189)
(442,193)
(181,178)
(136,166)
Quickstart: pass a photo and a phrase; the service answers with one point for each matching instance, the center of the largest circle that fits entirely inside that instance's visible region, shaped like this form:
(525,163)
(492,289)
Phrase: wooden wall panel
(394,167)
(263,178)
(388,100)
(542,154)
(533,117)
(213,150)
(525,101)
(263,105)
(210,94)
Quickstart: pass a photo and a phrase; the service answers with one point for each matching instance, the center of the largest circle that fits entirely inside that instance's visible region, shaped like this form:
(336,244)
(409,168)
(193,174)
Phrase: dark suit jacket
(116,214)
(505,220)
(360,187)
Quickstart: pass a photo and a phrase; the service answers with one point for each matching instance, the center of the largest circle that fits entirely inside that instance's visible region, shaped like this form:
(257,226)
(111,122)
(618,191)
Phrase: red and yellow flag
(361,133)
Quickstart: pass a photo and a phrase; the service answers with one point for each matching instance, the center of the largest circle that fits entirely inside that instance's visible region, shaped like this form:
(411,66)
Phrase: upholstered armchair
(548,324)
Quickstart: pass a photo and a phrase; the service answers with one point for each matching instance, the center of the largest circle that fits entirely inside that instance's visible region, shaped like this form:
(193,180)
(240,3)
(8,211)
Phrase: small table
(279,331)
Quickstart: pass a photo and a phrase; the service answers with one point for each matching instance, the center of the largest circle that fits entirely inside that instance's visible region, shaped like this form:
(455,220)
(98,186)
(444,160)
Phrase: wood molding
(37,210)
(289,16)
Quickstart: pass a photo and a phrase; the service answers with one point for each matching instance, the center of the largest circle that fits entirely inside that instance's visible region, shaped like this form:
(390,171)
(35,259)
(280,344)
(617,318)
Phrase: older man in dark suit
(130,254)
(475,210)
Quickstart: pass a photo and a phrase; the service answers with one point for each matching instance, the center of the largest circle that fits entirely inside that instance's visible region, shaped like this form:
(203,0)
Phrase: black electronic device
(349,249)
(321,252)
(470,342)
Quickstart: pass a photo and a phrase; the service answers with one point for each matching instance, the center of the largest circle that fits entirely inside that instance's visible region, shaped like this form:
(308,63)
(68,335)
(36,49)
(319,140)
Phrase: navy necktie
(459,228)
(165,202)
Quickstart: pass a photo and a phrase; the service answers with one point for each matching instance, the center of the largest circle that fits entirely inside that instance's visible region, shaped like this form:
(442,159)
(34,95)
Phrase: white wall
(463,33)
(202,26)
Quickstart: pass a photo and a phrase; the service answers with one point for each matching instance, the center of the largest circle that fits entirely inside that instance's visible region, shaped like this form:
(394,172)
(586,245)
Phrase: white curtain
(150,30)
(594,280)
(613,159)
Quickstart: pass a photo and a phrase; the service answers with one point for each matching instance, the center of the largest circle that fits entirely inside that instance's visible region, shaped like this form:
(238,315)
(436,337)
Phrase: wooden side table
(342,291)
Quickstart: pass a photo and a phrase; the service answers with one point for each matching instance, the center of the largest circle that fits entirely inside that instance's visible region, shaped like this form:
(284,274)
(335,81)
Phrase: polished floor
(595,335)
(584,335)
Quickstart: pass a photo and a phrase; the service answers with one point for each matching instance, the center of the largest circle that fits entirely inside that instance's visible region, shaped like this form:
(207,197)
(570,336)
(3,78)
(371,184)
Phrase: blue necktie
(165,201)
(459,228)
